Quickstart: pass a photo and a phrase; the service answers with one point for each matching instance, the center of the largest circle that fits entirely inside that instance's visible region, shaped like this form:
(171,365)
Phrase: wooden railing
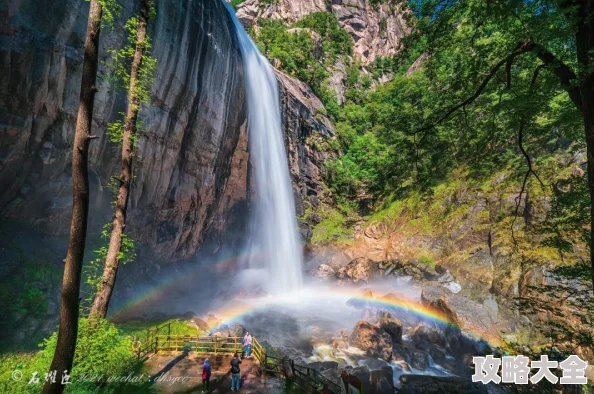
(313,381)
(308,379)
(150,344)
(210,344)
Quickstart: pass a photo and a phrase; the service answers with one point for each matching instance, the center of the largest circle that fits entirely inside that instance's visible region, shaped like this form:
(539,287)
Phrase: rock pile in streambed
(386,352)
(364,270)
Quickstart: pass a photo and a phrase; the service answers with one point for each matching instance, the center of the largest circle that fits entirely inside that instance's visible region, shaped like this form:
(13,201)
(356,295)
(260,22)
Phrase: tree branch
(525,154)
(521,48)
(562,71)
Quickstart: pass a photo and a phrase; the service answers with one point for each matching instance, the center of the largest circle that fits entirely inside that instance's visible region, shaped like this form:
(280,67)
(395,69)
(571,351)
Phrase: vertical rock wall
(192,172)
(192,126)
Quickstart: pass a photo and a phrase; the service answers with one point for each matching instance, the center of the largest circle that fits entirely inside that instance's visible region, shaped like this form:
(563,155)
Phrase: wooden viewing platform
(160,340)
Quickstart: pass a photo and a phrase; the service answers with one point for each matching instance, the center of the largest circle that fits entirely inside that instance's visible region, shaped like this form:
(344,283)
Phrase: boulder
(392,327)
(225,331)
(461,311)
(400,353)
(339,343)
(324,273)
(323,366)
(359,270)
(386,385)
(460,344)
(408,317)
(431,334)
(372,340)
(199,324)
(429,273)
(436,352)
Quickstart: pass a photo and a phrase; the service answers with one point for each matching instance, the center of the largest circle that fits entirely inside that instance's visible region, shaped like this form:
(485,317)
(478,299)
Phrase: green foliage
(427,261)
(236,3)
(110,10)
(119,65)
(361,168)
(115,131)
(93,270)
(336,41)
(335,226)
(24,297)
(306,50)
(138,328)
(463,41)
(569,217)
(101,350)
(293,51)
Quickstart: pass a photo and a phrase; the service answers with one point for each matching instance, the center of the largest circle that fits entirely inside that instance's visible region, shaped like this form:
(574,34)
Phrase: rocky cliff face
(376,29)
(306,134)
(192,174)
(191,127)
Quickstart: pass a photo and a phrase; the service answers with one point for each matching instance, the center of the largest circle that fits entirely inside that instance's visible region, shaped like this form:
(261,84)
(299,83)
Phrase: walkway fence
(160,339)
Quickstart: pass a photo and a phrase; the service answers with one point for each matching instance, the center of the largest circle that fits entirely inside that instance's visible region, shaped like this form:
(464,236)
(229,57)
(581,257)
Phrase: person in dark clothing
(206,371)
(235,370)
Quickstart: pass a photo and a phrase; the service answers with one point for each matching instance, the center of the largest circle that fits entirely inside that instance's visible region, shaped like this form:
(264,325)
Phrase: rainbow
(234,311)
(231,314)
(392,302)
(144,298)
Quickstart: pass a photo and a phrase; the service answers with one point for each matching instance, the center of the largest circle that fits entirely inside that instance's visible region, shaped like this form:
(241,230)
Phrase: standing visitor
(206,371)
(247,344)
(235,379)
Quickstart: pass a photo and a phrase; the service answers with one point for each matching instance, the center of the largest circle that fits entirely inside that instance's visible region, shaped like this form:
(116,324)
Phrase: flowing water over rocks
(378,332)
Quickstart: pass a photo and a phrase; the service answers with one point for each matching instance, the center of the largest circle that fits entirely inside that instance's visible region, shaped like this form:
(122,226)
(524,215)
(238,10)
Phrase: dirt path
(182,374)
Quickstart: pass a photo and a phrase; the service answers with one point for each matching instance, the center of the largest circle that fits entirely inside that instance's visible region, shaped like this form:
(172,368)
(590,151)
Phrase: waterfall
(275,234)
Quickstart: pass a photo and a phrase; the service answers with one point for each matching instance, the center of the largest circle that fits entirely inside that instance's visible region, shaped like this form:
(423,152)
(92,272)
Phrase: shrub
(101,350)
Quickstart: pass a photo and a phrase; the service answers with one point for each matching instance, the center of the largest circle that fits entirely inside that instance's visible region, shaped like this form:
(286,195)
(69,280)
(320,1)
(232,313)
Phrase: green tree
(66,341)
(139,80)
(494,41)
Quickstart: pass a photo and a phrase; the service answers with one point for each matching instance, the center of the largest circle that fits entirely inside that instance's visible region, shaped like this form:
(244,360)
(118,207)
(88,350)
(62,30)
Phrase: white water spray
(275,226)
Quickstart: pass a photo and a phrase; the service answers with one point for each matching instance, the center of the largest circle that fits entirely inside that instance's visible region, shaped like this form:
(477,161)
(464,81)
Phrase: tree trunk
(588,115)
(67,332)
(103,296)
(584,39)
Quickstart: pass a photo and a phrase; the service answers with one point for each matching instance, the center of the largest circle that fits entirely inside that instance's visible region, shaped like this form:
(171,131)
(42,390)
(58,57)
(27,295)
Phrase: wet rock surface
(372,339)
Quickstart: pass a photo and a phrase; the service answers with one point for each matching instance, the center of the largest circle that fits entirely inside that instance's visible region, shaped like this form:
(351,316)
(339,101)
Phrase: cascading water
(275,226)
